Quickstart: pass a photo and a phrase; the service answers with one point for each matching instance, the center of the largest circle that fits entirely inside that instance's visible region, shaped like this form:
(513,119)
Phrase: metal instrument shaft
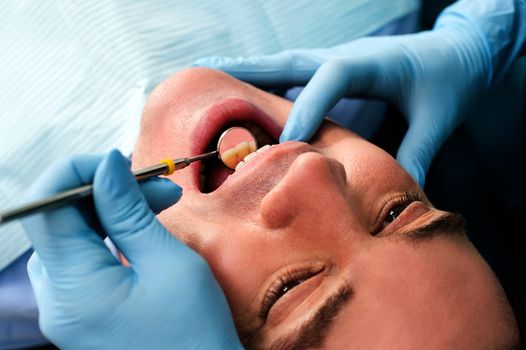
(74,195)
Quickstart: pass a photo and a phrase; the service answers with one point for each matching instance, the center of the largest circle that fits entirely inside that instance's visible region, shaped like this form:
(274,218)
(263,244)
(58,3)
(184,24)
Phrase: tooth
(249,157)
(240,165)
(252,146)
(229,157)
(242,149)
(263,148)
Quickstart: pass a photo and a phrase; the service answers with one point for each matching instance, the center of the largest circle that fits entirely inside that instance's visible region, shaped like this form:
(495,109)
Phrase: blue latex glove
(167,298)
(431,76)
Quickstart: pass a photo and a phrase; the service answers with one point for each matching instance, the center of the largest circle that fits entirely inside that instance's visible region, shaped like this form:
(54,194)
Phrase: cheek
(238,254)
(370,166)
(366,165)
(276,107)
(408,290)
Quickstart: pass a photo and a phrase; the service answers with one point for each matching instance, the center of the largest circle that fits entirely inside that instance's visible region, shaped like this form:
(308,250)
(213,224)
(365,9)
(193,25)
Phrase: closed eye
(392,210)
(285,284)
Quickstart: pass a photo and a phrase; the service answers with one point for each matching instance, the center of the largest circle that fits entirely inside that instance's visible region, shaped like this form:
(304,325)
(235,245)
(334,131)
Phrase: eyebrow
(449,224)
(312,333)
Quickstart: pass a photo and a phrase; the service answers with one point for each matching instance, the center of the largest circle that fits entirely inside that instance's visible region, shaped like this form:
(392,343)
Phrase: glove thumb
(417,150)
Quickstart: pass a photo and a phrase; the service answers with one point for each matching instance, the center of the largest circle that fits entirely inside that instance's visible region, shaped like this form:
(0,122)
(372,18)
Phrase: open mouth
(212,172)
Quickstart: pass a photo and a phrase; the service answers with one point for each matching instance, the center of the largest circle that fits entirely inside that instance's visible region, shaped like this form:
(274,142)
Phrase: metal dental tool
(228,139)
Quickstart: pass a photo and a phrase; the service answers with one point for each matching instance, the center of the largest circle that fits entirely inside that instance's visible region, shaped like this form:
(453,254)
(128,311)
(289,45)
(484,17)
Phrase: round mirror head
(235,144)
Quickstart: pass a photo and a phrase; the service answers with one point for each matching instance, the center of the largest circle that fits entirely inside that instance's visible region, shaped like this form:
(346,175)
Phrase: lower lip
(267,157)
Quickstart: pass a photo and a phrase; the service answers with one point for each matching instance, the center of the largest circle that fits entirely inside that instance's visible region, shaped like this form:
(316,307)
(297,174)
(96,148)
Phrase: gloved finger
(125,215)
(333,80)
(65,242)
(35,273)
(419,147)
(160,193)
(287,68)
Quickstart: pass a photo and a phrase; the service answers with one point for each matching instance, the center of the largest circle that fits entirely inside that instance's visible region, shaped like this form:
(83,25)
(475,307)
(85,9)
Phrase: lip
(221,113)
(264,160)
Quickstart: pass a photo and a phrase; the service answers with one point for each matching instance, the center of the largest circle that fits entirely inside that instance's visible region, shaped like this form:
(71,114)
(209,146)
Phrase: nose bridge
(313,192)
(314,204)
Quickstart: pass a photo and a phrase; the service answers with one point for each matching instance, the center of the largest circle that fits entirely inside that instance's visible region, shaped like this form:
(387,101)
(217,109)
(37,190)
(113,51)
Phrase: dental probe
(165,167)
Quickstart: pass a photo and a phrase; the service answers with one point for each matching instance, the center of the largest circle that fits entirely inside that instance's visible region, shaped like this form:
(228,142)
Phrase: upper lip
(221,113)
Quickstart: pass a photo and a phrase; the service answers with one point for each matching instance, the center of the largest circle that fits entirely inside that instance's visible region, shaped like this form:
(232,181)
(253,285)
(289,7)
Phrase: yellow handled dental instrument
(165,167)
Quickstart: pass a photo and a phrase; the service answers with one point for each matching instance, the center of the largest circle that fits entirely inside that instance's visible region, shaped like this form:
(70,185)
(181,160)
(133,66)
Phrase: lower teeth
(250,156)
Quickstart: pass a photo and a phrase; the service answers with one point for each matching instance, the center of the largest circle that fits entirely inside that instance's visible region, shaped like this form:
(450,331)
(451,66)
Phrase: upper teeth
(251,155)
(234,155)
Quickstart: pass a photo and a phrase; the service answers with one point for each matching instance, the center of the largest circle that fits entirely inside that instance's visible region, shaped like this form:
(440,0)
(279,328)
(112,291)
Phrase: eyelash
(275,292)
(399,202)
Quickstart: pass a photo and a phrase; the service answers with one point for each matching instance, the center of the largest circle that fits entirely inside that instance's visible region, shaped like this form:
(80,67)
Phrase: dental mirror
(235,144)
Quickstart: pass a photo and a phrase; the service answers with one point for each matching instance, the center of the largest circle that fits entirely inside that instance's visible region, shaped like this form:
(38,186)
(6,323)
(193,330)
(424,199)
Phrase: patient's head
(330,244)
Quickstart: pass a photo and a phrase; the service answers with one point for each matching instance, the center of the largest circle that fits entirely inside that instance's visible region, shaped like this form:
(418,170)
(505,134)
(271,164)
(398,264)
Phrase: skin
(316,206)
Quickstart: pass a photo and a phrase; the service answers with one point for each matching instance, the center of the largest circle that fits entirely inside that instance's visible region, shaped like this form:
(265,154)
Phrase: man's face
(330,243)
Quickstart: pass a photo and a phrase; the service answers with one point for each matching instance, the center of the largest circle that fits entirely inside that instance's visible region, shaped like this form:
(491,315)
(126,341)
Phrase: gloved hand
(166,299)
(431,77)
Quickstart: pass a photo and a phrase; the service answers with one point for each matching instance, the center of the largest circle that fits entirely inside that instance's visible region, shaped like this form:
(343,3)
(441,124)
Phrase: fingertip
(290,134)
(161,193)
(33,264)
(116,157)
(413,168)
(203,62)
(297,131)
(34,271)
(211,62)
(418,174)
(284,137)
(176,190)
(114,171)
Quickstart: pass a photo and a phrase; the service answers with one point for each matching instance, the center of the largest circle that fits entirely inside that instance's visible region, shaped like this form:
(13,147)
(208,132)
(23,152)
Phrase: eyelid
(399,199)
(298,272)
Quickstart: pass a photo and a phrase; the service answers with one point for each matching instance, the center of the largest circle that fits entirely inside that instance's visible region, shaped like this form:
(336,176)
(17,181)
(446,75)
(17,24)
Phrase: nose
(314,183)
